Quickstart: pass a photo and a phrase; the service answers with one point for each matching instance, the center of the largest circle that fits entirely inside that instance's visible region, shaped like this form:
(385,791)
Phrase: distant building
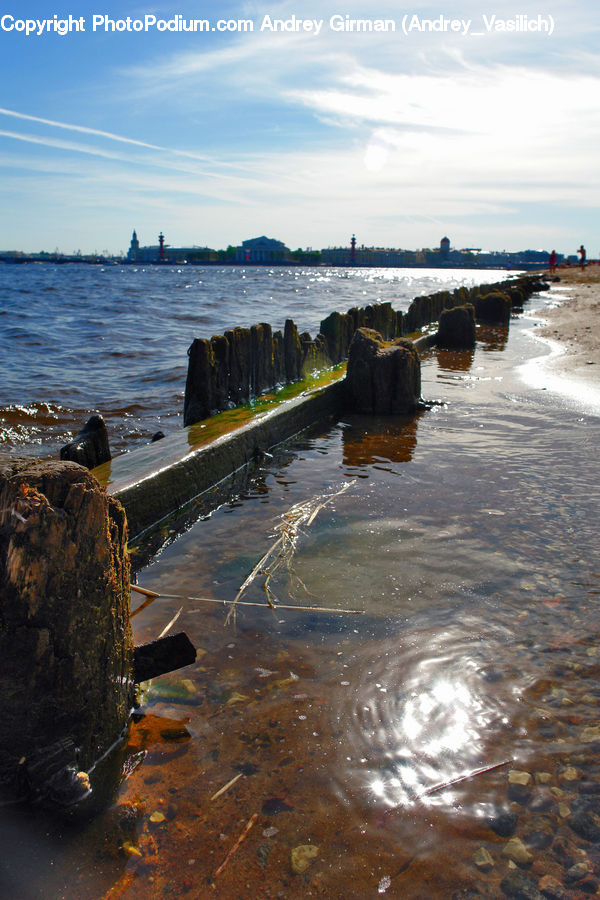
(139,254)
(262,250)
(367,256)
(161,252)
(445,247)
(134,248)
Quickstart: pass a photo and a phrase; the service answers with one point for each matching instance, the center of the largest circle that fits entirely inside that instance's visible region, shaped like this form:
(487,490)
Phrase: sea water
(79,338)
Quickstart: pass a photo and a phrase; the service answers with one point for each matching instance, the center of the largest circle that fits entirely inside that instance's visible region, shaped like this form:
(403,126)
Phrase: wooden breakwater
(153,482)
(232,368)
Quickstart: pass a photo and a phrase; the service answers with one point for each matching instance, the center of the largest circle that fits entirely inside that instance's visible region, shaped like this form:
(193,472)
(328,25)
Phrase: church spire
(133,247)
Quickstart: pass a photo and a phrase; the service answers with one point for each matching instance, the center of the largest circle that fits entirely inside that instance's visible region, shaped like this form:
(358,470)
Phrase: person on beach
(581,252)
(552,260)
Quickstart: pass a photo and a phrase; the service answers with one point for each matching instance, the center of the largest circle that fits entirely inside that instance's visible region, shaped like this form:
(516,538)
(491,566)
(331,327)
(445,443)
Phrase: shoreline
(571,321)
(568,327)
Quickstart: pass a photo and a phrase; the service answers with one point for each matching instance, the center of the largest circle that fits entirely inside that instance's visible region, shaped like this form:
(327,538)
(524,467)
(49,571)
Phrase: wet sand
(574,321)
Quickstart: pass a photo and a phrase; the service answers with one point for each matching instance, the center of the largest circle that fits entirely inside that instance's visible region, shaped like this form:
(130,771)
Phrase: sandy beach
(574,321)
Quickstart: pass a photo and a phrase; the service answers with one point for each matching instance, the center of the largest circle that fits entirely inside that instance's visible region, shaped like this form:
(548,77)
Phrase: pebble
(589,735)
(590,699)
(520,778)
(564,851)
(504,823)
(577,872)
(586,825)
(516,884)
(483,859)
(540,838)
(589,787)
(570,774)
(516,850)
(157,817)
(302,857)
(263,852)
(519,785)
(551,888)
(541,800)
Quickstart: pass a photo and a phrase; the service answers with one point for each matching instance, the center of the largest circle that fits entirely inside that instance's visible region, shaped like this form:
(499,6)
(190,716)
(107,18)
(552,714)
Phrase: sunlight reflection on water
(421,716)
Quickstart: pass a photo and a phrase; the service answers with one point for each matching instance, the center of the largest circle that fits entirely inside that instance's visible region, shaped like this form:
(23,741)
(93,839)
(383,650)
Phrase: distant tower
(161,247)
(134,247)
(445,247)
(353,250)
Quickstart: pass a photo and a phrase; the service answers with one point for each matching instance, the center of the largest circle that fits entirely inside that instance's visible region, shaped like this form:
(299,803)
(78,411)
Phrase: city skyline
(399,135)
(135,245)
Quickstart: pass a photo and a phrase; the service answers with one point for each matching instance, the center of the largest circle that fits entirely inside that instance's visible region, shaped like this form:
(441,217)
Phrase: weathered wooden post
(383,377)
(456,328)
(66,654)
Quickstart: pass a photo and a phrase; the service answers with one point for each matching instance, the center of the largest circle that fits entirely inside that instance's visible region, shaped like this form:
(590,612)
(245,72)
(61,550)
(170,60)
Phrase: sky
(479,122)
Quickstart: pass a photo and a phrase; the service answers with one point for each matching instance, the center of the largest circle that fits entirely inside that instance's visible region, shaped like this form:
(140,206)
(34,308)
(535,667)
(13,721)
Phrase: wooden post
(66,651)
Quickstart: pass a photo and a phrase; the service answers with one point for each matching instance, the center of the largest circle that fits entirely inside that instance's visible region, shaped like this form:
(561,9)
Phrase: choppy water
(468,540)
(77,338)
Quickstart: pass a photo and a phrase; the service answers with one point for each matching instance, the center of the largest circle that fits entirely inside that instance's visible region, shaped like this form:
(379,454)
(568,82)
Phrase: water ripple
(426,709)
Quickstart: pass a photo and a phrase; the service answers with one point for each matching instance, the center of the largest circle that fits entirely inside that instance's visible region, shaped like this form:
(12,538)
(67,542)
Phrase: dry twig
(281,553)
(226,786)
(171,623)
(240,840)
(446,784)
(144,591)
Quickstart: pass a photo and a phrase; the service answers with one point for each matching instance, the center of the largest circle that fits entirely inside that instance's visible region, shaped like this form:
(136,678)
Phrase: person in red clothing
(581,252)
(552,260)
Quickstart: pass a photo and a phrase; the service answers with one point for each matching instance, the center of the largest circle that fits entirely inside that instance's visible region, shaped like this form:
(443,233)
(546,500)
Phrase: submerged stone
(302,857)
(586,824)
(483,860)
(503,823)
(519,785)
(517,884)
(551,888)
(516,850)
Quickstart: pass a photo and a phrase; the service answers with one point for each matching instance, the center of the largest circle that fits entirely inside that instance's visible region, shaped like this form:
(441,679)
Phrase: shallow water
(467,541)
(78,338)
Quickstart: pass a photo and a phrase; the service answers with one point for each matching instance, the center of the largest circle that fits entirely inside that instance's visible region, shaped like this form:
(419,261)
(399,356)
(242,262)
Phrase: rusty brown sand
(574,322)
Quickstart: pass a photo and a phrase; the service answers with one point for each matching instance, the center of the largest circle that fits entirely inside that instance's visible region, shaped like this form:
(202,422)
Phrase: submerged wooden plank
(156,480)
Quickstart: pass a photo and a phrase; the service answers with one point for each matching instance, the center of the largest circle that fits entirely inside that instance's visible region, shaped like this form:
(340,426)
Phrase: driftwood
(161,656)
